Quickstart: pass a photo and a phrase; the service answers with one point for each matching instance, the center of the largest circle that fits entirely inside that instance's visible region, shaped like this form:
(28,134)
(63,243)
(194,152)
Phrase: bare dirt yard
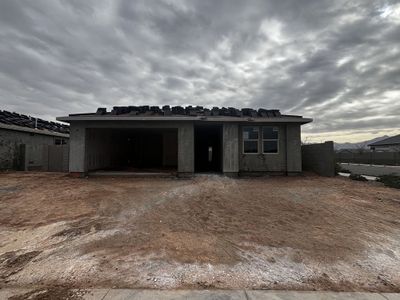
(300,233)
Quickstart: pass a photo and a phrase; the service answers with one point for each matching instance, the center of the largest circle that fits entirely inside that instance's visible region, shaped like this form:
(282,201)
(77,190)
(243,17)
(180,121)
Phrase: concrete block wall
(47,158)
(57,158)
(319,158)
(374,158)
(36,158)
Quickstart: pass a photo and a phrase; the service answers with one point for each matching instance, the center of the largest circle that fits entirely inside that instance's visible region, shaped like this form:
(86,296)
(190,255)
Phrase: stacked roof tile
(12,118)
(194,111)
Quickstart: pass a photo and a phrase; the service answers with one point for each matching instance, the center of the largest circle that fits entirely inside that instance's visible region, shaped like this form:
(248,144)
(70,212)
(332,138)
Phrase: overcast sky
(335,61)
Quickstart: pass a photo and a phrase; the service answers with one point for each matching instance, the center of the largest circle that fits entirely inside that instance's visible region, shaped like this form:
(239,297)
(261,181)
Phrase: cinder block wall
(319,158)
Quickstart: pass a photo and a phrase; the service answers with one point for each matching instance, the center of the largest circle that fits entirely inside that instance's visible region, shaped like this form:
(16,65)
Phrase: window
(270,139)
(250,140)
(60,142)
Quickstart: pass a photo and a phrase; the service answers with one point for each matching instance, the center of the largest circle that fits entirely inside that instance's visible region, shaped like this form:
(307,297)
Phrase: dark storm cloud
(335,61)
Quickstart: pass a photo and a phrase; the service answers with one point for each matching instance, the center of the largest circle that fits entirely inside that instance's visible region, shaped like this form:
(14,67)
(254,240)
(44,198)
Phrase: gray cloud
(335,61)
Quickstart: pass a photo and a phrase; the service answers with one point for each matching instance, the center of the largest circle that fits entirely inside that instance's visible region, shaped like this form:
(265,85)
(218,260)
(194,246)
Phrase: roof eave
(301,120)
(32,130)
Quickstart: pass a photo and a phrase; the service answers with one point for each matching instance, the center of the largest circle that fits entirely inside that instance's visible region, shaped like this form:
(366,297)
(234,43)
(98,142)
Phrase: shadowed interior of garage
(132,149)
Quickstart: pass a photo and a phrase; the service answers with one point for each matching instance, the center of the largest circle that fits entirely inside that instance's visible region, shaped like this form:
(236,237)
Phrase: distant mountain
(339,146)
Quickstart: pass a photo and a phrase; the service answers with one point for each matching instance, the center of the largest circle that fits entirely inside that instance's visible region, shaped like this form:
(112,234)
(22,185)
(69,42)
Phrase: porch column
(77,150)
(230,149)
(186,149)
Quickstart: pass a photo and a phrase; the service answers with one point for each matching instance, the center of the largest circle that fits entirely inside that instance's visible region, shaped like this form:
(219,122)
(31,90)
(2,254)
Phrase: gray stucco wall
(186,148)
(319,158)
(293,137)
(230,152)
(287,160)
(11,156)
(263,162)
(77,148)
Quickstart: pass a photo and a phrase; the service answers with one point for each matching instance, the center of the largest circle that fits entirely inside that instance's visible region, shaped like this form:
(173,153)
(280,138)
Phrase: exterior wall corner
(230,148)
(293,149)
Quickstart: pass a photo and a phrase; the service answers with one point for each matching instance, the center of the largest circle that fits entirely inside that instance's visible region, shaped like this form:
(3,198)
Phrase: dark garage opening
(208,148)
(132,150)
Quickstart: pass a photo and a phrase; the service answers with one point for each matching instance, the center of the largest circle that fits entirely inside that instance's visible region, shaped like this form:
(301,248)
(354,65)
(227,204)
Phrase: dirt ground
(300,233)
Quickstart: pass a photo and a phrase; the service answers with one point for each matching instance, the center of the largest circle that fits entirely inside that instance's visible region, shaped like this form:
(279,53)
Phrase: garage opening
(132,150)
(208,148)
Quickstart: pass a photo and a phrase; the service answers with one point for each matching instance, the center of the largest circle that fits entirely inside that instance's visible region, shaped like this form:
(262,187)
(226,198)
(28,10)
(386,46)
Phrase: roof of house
(179,113)
(394,140)
(14,121)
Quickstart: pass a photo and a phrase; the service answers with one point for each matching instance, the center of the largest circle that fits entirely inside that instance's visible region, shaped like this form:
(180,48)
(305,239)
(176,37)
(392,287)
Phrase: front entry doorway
(208,148)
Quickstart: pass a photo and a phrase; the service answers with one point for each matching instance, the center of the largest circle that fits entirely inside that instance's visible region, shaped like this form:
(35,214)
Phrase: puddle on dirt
(9,189)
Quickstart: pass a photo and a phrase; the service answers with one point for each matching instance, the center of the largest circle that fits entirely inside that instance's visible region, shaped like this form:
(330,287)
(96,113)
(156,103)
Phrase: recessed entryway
(208,148)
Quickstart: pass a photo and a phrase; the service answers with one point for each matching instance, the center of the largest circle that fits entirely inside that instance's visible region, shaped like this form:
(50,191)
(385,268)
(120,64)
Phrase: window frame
(59,141)
(251,140)
(271,140)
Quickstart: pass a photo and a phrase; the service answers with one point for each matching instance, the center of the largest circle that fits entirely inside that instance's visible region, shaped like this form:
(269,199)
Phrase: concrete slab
(95,294)
(132,174)
(132,294)
(121,294)
(391,296)
(293,295)
(175,295)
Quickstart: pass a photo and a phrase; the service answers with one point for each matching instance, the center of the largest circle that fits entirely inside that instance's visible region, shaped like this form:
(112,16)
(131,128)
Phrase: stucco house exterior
(185,140)
(391,144)
(19,133)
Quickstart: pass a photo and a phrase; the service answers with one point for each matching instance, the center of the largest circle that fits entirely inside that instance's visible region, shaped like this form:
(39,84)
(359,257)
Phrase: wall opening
(132,150)
(208,148)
